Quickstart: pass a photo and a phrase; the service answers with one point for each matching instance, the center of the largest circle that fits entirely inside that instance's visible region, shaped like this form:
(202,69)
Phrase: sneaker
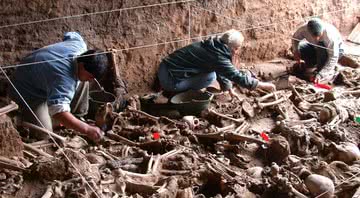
(347,61)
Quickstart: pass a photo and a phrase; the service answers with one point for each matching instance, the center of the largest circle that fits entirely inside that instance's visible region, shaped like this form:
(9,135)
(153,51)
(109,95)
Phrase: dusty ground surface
(221,153)
(300,141)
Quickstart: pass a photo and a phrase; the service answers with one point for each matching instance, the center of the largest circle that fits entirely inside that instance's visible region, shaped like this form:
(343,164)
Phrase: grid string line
(93,13)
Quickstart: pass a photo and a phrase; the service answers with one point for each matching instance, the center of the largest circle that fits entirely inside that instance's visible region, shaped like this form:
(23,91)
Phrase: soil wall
(128,29)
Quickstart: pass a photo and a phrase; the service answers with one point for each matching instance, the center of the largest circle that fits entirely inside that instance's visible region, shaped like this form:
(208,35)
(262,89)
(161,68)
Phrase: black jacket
(206,56)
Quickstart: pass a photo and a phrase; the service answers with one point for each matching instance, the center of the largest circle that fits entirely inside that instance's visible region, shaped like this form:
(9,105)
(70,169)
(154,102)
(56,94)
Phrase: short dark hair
(315,26)
(95,62)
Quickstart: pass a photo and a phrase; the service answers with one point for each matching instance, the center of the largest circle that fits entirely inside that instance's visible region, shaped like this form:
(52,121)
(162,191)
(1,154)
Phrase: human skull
(192,121)
(346,152)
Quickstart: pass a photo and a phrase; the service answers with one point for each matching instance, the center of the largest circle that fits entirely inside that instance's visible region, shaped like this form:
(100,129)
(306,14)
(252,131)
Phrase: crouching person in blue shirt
(197,65)
(53,82)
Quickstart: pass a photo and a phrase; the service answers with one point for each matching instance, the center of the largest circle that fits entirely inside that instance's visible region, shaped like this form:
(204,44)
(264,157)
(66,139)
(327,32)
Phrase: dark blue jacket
(206,56)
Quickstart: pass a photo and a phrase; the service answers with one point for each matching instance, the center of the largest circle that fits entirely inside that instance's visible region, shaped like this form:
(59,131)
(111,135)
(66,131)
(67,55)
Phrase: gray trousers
(79,107)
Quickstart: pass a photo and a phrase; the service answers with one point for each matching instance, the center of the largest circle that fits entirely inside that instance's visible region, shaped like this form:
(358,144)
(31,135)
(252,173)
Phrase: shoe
(347,61)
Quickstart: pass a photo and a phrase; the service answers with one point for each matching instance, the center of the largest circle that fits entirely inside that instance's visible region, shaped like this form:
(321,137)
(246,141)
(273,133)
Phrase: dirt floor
(288,144)
(299,141)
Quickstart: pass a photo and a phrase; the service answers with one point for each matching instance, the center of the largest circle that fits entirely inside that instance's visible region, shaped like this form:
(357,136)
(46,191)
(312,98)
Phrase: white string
(105,52)
(272,24)
(138,47)
(119,50)
(189,24)
(52,60)
(51,137)
(175,41)
(93,13)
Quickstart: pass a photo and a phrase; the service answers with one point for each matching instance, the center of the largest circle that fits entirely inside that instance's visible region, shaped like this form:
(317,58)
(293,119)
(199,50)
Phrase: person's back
(46,66)
(199,57)
(197,65)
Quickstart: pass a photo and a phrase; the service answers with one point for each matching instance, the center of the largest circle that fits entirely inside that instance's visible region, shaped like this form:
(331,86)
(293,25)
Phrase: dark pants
(315,58)
(172,84)
(312,55)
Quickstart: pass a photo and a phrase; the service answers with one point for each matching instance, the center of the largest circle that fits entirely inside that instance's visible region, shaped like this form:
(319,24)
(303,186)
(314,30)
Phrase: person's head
(316,28)
(92,64)
(233,39)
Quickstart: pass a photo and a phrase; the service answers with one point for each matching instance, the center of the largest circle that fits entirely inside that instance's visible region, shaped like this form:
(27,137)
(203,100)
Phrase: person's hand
(233,94)
(266,86)
(315,79)
(318,79)
(94,133)
(297,57)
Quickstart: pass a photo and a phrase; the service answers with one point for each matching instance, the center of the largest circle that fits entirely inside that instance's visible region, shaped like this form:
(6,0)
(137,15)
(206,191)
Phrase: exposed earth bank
(143,26)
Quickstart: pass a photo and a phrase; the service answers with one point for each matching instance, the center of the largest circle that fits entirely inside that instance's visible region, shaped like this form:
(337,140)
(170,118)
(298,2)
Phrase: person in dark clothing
(197,65)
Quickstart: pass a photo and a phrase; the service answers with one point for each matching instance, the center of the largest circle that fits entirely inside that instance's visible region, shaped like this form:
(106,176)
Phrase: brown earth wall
(158,24)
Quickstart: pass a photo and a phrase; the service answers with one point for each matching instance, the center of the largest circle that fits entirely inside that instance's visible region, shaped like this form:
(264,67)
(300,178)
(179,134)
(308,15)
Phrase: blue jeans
(170,83)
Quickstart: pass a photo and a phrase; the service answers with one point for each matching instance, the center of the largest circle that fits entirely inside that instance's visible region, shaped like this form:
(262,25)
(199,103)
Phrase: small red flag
(156,135)
(323,86)
(264,136)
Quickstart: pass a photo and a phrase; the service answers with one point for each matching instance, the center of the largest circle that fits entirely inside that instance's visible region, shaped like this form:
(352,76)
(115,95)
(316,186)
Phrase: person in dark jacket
(197,65)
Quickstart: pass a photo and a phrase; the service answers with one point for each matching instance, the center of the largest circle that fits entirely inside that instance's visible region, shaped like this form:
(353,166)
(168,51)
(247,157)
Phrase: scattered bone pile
(306,148)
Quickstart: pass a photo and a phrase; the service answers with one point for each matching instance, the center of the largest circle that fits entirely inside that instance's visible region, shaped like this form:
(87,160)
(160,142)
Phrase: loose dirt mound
(10,141)
(60,169)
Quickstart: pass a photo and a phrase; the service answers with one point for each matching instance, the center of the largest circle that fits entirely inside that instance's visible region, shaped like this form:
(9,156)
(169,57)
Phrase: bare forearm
(70,121)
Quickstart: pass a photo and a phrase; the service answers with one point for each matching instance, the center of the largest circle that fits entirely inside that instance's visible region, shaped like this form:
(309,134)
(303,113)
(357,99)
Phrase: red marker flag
(323,86)
(264,136)
(156,135)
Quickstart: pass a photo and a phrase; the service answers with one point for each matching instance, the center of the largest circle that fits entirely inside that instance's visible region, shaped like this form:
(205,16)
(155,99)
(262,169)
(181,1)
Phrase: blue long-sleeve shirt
(54,81)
